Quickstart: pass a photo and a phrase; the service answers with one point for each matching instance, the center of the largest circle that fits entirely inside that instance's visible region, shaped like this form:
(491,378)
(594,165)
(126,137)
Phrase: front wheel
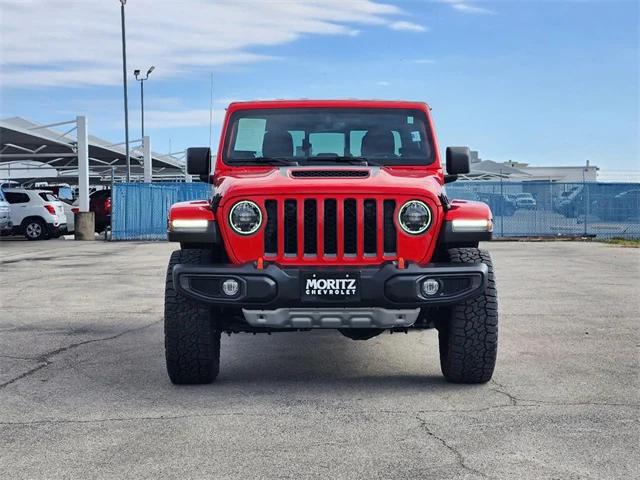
(468,331)
(192,343)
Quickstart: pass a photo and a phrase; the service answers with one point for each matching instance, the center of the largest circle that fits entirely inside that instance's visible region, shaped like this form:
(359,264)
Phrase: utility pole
(503,204)
(141,79)
(585,194)
(211,113)
(124,81)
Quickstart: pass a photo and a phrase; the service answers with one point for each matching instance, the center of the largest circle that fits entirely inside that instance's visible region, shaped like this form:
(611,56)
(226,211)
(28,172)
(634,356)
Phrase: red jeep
(329,214)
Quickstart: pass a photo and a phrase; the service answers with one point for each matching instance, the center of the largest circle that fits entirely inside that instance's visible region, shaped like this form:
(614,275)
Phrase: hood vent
(334,173)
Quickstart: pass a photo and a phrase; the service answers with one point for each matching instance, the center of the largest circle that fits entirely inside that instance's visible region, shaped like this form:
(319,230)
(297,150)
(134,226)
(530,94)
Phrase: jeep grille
(350,227)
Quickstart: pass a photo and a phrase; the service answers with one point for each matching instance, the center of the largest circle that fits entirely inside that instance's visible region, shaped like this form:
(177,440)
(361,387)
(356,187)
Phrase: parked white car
(36,214)
(525,200)
(70,212)
(6,227)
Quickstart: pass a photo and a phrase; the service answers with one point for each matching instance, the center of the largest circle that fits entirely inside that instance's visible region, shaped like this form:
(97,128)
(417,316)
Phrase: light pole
(141,79)
(124,81)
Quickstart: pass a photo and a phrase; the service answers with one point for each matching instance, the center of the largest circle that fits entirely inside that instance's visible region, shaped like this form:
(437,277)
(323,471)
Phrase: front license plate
(330,286)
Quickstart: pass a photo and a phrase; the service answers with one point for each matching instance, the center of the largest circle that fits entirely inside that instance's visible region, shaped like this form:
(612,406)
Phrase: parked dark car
(100,204)
(500,204)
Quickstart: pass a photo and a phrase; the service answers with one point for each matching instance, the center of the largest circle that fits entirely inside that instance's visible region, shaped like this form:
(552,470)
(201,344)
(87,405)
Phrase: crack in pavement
(45,359)
(15,357)
(503,390)
(269,413)
(516,401)
(459,457)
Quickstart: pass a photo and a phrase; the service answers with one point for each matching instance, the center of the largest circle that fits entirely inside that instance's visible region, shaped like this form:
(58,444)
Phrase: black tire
(192,343)
(468,332)
(35,229)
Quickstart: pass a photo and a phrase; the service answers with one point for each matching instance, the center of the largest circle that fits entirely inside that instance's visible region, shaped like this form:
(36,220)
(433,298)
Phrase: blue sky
(544,82)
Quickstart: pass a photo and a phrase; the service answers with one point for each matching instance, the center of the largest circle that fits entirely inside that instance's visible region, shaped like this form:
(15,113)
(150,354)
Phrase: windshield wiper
(265,161)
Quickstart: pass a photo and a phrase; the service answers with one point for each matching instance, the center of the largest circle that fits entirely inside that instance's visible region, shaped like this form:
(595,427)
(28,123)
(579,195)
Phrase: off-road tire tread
(469,339)
(192,344)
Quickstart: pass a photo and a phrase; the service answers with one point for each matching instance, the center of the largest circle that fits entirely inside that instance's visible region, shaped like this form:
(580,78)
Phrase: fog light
(430,286)
(230,287)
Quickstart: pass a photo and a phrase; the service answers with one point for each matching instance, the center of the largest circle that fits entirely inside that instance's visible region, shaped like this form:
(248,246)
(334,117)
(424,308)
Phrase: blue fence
(139,210)
(526,209)
(520,209)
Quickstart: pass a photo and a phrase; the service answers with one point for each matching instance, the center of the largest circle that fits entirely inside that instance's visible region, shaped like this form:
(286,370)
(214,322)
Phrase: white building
(522,172)
(569,174)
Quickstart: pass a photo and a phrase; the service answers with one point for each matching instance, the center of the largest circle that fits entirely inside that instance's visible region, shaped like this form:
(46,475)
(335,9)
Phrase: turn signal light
(472,225)
(50,208)
(188,224)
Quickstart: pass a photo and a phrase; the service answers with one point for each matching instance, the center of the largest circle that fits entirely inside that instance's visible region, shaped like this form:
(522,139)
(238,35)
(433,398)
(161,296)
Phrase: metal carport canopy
(21,139)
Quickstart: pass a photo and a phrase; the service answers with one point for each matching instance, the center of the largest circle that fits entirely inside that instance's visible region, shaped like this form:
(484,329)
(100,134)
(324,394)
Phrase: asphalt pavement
(84,393)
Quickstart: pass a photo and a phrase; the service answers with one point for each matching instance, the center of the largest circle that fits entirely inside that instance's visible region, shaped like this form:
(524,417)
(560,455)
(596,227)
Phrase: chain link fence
(520,209)
(532,209)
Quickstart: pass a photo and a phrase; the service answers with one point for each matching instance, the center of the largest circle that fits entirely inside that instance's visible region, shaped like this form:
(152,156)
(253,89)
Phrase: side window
(65,193)
(16,197)
(47,197)
(327,143)
(250,135)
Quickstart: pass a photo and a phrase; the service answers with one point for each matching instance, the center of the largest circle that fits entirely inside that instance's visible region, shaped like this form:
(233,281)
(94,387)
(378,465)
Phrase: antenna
(211,113)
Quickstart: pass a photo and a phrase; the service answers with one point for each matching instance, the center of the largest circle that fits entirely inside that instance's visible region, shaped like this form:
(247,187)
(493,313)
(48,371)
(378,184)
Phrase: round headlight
(245,217)
(414,217)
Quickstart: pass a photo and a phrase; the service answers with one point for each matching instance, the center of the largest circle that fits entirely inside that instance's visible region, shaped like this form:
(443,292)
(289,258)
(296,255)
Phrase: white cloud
(467,7)
(384,83)
(407,26)
(77,42)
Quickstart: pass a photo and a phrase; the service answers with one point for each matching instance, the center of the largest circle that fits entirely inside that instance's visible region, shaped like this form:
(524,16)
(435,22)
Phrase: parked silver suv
(6,227)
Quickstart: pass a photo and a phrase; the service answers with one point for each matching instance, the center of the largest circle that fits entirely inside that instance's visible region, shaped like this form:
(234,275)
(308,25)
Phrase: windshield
(312,136)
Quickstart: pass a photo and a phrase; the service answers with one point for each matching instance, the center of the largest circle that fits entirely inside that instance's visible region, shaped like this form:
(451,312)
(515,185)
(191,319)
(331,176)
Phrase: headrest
(377,143)
(277,144)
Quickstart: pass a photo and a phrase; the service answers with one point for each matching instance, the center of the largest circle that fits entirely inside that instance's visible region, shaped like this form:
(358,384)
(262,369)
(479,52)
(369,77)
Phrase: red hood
(282,181)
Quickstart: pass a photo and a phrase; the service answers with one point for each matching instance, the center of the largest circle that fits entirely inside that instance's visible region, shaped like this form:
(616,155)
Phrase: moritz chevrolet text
(329,214)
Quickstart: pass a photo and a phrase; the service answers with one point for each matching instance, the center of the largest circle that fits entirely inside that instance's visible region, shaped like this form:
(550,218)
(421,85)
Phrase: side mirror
(458,162)
(199,162)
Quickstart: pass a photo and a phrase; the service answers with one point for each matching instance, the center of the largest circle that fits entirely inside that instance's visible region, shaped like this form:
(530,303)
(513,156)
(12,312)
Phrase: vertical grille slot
(350,227)
(330,227)
(389,227)
(290,227)
(310,226)
(370,230)
(271,228)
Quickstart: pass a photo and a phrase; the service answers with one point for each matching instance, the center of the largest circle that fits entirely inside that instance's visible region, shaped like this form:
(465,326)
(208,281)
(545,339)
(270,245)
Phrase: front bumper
(275,287)
(5,226)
